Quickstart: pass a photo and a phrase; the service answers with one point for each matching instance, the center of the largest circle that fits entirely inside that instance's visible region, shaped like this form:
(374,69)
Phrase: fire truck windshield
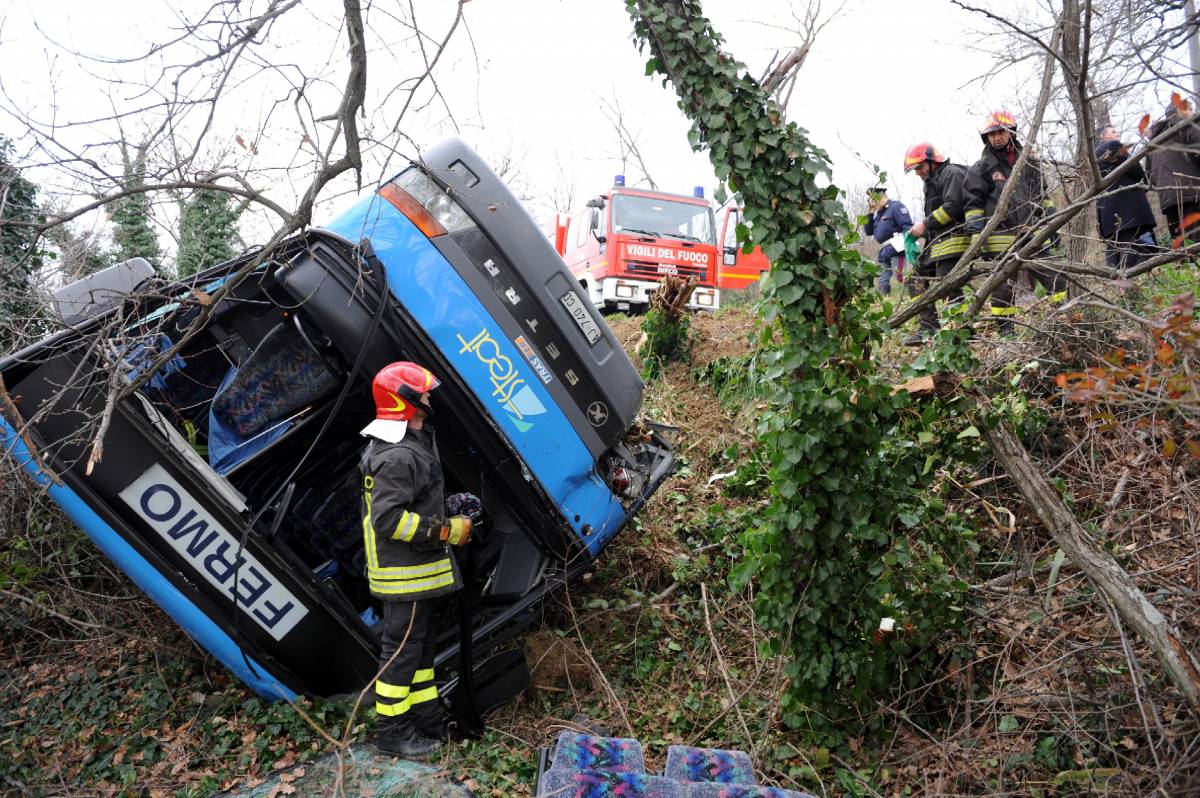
(663,218)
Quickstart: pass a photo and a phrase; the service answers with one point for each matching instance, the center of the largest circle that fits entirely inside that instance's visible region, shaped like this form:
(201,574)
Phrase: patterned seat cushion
(562,783)
(585,752)
(701,789)
(688,764)
(281,376)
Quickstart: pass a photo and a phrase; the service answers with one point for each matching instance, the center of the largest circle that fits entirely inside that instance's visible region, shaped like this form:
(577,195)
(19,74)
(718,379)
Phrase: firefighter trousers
(1054,282)
(405,692)
(918,283)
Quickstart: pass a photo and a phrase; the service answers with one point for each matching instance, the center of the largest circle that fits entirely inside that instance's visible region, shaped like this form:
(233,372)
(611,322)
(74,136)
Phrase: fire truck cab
(623,242)
(737,269)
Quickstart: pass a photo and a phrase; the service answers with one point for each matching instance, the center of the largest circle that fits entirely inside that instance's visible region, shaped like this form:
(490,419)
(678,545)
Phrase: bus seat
(281,376)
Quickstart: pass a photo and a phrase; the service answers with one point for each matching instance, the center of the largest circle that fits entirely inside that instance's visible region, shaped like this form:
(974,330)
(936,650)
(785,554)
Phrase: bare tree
(627,140)
(779,77)
(221,57)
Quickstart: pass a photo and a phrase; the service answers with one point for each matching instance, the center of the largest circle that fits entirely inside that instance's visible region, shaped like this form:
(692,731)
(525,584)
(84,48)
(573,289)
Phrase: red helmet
(998,120)
(397,389)
(921,152)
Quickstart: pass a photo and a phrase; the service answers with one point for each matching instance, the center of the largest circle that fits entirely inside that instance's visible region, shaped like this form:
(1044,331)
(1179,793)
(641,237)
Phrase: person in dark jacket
(409,565)
(985,181)
(1175,175)
(942,227)
(887,218)
(1126,221)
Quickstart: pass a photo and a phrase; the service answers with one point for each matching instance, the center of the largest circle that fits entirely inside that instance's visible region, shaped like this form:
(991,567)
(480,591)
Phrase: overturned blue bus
(229,490)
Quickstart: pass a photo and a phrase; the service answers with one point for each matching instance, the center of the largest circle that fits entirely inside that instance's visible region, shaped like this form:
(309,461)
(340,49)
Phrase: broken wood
(9,409)
(940,384)
(1100,567)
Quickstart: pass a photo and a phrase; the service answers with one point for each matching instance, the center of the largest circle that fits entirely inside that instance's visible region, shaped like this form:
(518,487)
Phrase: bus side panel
(491,365)
(182,610)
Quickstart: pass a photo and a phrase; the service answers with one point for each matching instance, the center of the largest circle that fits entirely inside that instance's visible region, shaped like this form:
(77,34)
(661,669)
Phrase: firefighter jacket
(944,211)
(985,181)
(403,509)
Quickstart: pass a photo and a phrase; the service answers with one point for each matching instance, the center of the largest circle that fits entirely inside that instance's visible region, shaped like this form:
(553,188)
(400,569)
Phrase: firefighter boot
(401,738)
(431,721)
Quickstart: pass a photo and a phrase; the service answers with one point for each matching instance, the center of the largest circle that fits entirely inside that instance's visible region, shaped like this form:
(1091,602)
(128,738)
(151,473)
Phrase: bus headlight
(425,204)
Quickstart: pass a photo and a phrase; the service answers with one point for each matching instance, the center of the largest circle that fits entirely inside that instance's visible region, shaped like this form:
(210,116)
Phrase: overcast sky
(871,86)
(528,80)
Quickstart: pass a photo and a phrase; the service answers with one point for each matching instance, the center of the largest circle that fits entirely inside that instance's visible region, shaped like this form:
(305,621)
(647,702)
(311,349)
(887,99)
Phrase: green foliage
(730,376)
(19,198)
(20,256)
(495,765)
(111,727)
(666,341)
(854,531)
(208,231)
(134,235)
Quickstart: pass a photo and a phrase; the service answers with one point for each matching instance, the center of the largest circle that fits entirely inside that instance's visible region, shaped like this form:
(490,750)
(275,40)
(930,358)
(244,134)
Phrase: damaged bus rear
(228,487)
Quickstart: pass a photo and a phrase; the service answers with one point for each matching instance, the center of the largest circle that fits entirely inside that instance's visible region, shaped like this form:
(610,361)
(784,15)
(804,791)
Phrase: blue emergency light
(698,192)
(619,181)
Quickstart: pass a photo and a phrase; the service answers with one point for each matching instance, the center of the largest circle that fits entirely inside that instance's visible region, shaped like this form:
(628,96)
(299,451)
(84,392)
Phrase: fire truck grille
(656,270)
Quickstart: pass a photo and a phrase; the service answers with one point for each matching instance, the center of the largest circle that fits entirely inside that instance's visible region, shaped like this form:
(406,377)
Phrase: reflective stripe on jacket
(944,212)
(986,180)
(403,511)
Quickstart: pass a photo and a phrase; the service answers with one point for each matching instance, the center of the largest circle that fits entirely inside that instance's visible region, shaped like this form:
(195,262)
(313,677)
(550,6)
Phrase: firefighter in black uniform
(409,564)
(985,181)
(942,227)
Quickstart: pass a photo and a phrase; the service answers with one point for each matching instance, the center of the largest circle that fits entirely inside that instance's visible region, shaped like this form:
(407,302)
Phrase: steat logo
(508,387)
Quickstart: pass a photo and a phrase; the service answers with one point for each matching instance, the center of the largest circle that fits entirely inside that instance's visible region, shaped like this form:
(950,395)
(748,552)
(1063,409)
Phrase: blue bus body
(229,489)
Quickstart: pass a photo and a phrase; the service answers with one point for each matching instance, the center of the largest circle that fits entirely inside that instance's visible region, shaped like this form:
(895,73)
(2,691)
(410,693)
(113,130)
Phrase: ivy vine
(854,532)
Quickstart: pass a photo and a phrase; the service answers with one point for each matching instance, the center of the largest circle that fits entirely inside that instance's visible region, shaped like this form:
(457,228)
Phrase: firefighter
(985,181)
(942,227)
(409,563)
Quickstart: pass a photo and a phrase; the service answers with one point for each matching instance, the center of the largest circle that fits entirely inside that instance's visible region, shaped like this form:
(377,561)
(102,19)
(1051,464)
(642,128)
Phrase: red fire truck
(624,241)
(737,269)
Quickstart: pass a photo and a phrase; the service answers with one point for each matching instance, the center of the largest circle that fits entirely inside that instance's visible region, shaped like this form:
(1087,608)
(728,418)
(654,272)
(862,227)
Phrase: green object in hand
(912,250)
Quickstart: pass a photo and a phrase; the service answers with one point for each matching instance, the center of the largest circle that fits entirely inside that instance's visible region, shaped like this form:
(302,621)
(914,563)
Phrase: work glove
(457,531)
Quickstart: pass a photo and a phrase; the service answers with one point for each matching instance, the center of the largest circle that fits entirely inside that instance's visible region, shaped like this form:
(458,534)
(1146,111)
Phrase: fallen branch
(1099,566)
(9,408)
(733,697)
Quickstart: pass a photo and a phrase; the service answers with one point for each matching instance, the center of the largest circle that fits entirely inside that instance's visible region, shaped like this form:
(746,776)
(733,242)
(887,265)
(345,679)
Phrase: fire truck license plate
(591,330)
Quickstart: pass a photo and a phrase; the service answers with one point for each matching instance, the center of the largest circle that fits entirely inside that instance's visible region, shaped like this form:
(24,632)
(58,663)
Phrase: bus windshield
(663,218)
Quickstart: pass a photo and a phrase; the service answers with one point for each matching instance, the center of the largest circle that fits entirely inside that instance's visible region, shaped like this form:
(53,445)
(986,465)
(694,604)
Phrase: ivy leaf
(969,432)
